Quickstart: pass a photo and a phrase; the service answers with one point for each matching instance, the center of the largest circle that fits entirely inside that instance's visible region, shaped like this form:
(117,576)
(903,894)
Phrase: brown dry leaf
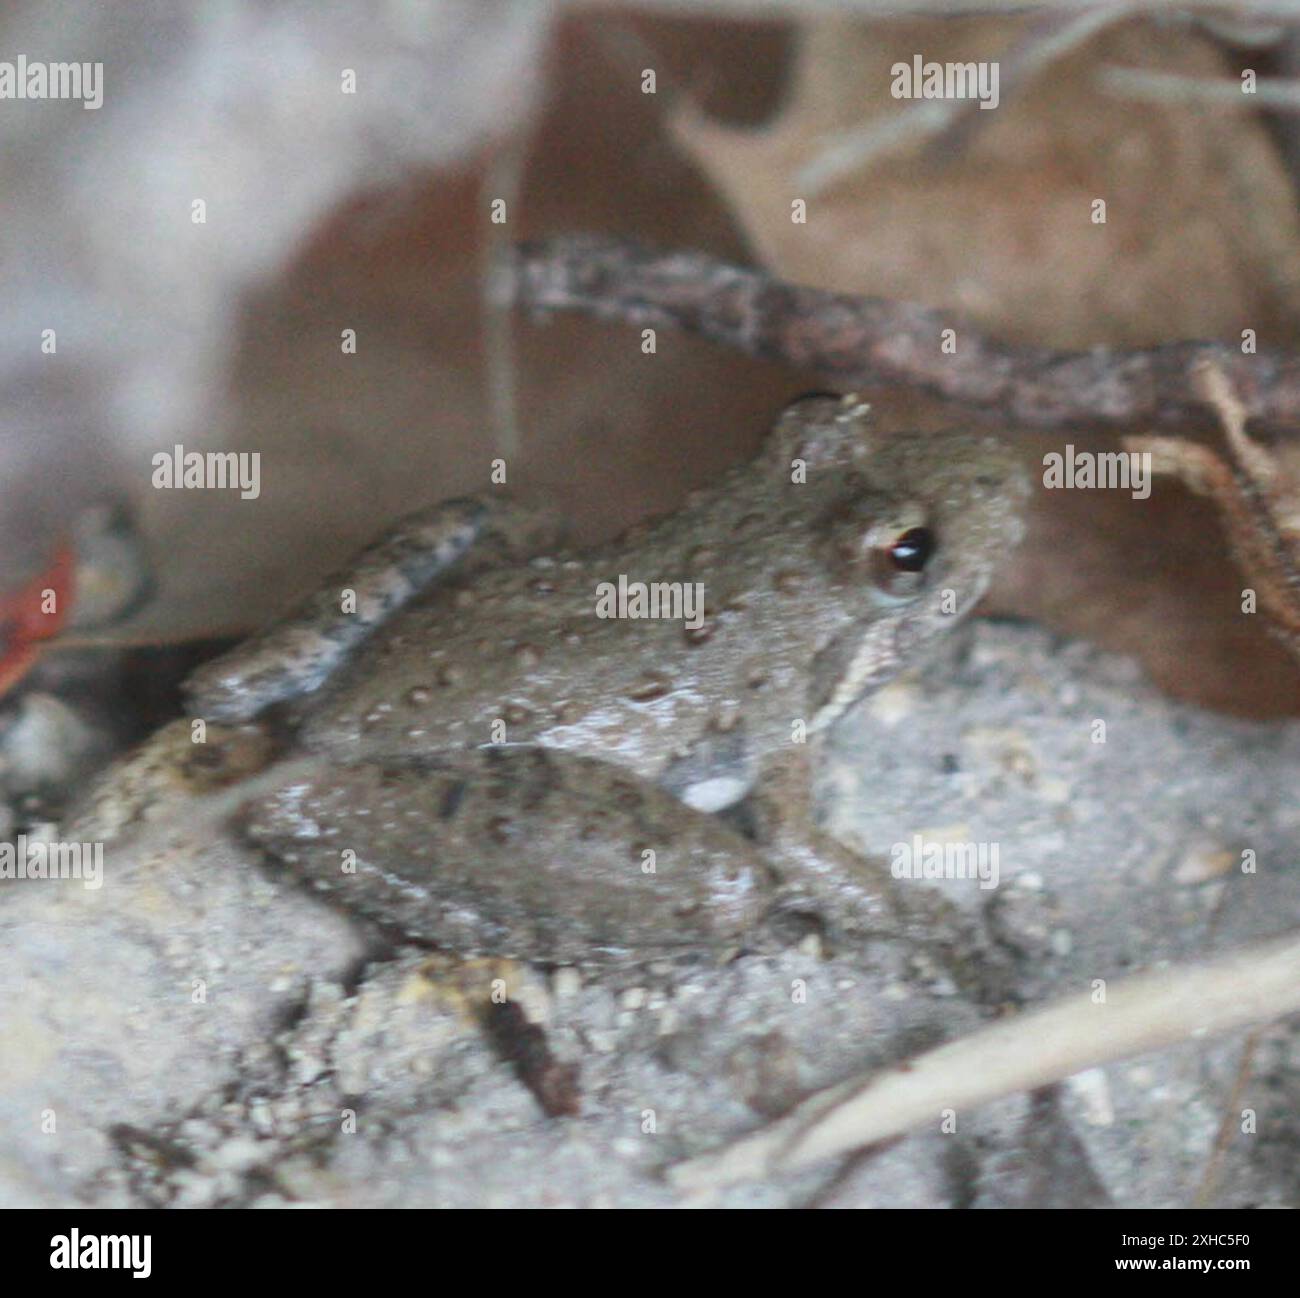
(1003,233)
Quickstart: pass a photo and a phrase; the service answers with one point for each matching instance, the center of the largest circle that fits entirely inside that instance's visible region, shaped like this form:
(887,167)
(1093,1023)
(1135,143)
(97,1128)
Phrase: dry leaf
(1004,232)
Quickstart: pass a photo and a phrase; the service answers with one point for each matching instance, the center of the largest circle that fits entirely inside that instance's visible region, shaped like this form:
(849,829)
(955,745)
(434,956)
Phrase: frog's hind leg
(299,653)
(519,852)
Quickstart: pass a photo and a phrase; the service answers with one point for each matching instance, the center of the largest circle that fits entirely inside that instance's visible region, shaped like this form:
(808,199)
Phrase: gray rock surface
(141,998)
(325,1068)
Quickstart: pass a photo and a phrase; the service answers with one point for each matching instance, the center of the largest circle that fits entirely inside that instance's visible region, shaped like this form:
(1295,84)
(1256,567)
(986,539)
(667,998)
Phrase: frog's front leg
(298,653)
(854,893)
(521,852)
(849,892)
(857,896)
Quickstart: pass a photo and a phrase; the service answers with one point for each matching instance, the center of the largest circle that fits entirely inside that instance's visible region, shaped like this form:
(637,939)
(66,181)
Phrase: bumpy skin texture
(793,599)
(502,851)
(302,651)
(805,613)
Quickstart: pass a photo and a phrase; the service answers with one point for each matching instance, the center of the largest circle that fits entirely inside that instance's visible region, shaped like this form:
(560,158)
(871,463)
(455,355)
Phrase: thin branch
(502,179)
(1049,38)
(805,9)
(852,340)
(1257,494)
(1230,1124)
(1171,88)
(1141,1014)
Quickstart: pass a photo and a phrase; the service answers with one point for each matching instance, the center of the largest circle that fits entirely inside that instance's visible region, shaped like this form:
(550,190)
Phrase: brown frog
(545,753)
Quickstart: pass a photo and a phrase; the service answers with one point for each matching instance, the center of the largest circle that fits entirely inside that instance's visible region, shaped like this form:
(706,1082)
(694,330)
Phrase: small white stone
(1093,1090)
(1204,860)
(894,703)
(1054,791)
(238,1154)
(716,793)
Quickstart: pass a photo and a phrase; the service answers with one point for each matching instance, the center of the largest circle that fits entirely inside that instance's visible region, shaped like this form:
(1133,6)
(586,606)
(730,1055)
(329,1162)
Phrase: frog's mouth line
(880,652)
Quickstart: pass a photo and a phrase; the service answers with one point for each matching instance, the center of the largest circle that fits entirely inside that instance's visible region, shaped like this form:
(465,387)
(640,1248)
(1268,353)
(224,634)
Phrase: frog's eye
(911,550)
(900,557)
(872,539)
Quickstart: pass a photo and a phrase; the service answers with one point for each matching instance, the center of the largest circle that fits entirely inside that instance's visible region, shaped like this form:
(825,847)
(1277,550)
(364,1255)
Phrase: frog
(506,757)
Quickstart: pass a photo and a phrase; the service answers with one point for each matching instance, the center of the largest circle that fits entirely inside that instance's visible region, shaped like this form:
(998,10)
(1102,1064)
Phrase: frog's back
(558,652)
(799,618)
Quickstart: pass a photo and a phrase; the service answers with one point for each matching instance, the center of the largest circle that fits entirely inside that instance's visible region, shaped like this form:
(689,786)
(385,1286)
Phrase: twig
(503,180)
(1256,492)
(805,9)
(1049,38)
(1228,1126)
(854,340)
(1171,88)
(1140,1014)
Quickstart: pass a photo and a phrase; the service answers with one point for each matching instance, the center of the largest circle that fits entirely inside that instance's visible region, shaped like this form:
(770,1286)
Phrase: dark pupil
(912,551)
